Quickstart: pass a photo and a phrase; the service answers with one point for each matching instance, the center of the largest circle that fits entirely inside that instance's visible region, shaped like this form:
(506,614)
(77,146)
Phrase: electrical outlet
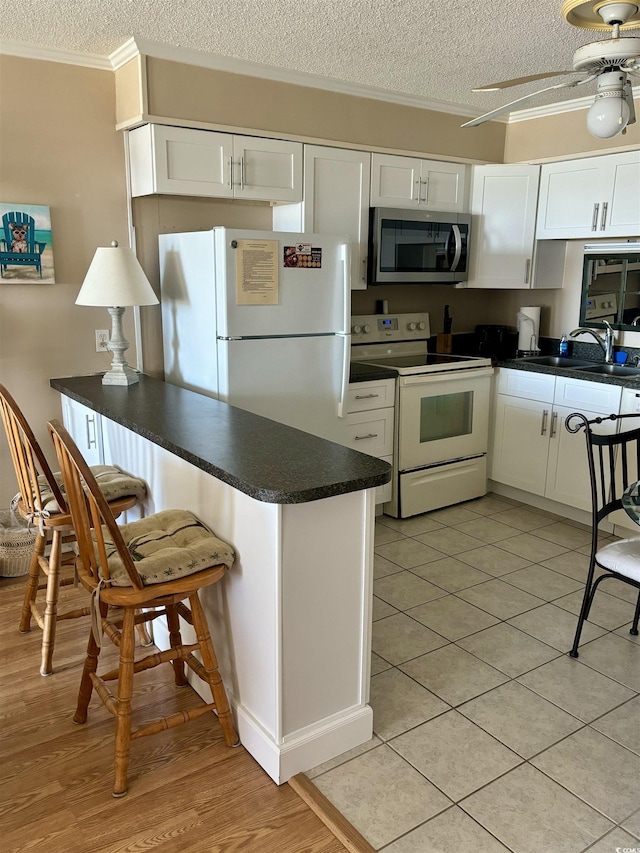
(102,339)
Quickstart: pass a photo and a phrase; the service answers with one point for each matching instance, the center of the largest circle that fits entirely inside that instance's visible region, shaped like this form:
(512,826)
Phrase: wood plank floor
(188,792)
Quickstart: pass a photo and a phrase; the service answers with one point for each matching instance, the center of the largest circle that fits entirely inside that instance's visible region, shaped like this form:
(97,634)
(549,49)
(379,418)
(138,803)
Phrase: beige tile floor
(488,737)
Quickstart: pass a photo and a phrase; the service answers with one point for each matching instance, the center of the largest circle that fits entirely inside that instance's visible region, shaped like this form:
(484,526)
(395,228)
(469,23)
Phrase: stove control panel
(378,328)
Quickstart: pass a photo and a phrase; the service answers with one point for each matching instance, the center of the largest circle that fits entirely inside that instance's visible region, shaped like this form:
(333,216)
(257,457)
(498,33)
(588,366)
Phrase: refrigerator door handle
(346,367)
(346,271)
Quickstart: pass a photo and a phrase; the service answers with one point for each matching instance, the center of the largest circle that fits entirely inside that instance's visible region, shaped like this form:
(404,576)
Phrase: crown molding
(248,68)
(562,107)
(135,47)
(52,54)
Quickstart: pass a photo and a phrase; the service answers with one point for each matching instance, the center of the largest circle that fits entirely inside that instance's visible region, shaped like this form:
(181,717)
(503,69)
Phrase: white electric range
(442,412)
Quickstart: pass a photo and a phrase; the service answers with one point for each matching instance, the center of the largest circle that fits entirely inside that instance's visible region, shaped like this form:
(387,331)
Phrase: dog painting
(26,248)
(19,241)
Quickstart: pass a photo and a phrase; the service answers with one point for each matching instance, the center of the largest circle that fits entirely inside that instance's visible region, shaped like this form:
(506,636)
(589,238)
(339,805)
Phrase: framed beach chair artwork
(26,247)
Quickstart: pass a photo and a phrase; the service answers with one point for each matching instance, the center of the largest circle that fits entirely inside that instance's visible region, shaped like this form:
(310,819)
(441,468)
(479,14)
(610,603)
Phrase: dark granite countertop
(260,457)
(361,372)
(523,364)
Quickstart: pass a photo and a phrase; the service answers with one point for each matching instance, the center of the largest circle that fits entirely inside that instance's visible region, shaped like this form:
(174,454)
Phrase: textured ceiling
(415,47)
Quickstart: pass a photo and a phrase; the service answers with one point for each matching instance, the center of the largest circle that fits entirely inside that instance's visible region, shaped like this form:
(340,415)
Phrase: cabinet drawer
(523,383)
(595,397)
(370,395)
(371,432)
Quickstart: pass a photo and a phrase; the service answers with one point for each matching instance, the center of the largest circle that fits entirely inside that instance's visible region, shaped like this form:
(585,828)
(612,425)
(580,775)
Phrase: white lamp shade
(115,278)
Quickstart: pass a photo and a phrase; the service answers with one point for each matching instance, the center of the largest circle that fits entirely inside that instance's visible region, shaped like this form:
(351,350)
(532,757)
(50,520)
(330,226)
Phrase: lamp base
(120,376)
(120,373)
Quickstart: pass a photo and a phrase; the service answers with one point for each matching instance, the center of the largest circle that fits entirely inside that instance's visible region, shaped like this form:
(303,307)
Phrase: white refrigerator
(260,320)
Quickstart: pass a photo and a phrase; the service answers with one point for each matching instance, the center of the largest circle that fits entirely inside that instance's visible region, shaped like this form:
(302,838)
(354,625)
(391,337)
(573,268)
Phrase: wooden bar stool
(41,502)
(157,562)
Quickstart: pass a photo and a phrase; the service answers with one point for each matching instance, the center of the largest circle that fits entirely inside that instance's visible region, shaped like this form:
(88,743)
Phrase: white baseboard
(299,751)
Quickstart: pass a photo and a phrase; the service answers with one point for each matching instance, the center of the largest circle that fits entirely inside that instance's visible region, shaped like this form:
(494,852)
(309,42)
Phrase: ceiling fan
(611,62)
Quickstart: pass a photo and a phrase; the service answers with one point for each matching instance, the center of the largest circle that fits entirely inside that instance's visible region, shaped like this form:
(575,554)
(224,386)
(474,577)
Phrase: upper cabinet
(185,161)
(409,182)
(503,208)
(590,198)
(336,201)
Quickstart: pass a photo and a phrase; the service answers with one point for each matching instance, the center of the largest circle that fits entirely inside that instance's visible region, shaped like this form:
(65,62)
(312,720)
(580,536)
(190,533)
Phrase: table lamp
(114,280)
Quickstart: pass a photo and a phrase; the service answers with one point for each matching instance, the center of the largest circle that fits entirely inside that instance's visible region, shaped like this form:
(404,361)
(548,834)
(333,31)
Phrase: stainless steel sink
(556,361)
(611,369)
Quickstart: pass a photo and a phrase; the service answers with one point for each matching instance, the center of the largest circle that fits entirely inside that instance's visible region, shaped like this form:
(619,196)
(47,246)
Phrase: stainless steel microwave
(418,246)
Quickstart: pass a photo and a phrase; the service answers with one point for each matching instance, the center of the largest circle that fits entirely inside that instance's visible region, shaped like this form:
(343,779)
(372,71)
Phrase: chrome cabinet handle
(543,426)
(230,181)
(554,421)
(364,269)
(91,442)
(426,190)
(361,437)
(603,221)
(366,396)
(417,198)
(594,221)
(527,270)
(242,173)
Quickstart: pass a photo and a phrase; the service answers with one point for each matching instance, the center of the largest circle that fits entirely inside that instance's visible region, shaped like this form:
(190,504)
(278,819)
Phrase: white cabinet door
(444,186)
(521,443)
(267,169)
(590,198)
(395,181)
(570,195)
(410,182)
(567,467)
(336,200)
(85,427)
(503,207)
(624,208)
(180,161)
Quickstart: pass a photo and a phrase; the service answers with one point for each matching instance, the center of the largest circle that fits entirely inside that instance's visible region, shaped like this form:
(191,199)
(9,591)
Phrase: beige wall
(58,147)
(178,92)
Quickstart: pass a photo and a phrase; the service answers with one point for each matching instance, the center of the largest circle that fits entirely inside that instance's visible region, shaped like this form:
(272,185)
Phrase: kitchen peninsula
(292,622)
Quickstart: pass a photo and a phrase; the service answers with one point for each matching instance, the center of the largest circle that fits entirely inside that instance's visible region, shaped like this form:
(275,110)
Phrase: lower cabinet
(85,427)
(370,423)
(532,449)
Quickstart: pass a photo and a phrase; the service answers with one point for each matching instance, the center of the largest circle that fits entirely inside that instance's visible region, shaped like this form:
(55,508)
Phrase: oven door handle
(445,376)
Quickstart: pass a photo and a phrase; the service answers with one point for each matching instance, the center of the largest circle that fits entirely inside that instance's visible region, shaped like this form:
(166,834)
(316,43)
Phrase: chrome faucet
(606,342)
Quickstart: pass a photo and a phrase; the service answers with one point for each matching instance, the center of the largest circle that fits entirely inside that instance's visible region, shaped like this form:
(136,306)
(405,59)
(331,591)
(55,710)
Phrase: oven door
(442,417)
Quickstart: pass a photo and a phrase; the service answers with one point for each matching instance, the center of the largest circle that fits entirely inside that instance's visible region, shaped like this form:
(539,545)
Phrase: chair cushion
(113,481)
(166,546)
(622,557)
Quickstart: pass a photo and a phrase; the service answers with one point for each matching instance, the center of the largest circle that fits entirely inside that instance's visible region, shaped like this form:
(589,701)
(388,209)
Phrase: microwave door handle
(458,253)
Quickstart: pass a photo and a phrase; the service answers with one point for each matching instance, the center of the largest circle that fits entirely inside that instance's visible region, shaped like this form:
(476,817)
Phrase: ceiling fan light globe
(607,117)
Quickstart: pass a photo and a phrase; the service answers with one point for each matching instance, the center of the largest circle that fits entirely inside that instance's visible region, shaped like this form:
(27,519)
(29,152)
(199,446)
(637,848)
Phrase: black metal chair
(614,465)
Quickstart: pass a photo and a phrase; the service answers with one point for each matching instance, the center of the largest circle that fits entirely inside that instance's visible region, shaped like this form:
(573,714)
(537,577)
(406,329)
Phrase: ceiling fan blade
(505,108)
(518,81)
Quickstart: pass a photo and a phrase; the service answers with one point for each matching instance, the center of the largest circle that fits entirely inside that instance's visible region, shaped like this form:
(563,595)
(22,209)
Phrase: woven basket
(16,545)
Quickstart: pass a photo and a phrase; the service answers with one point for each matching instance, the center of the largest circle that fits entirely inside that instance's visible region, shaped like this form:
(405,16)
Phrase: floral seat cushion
(166,546)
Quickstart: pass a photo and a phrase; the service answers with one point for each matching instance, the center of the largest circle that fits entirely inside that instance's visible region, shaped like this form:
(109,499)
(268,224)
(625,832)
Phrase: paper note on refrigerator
(257,272)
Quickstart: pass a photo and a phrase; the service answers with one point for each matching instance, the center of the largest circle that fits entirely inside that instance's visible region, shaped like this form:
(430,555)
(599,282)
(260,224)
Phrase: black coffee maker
(496,342)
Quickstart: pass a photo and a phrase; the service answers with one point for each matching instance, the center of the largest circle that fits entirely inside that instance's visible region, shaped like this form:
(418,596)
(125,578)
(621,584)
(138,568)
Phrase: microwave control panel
(378,328)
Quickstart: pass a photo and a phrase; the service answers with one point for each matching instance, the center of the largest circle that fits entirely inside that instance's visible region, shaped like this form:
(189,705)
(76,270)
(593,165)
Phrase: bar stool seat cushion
(113,481)
(166,546)
(622,557)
